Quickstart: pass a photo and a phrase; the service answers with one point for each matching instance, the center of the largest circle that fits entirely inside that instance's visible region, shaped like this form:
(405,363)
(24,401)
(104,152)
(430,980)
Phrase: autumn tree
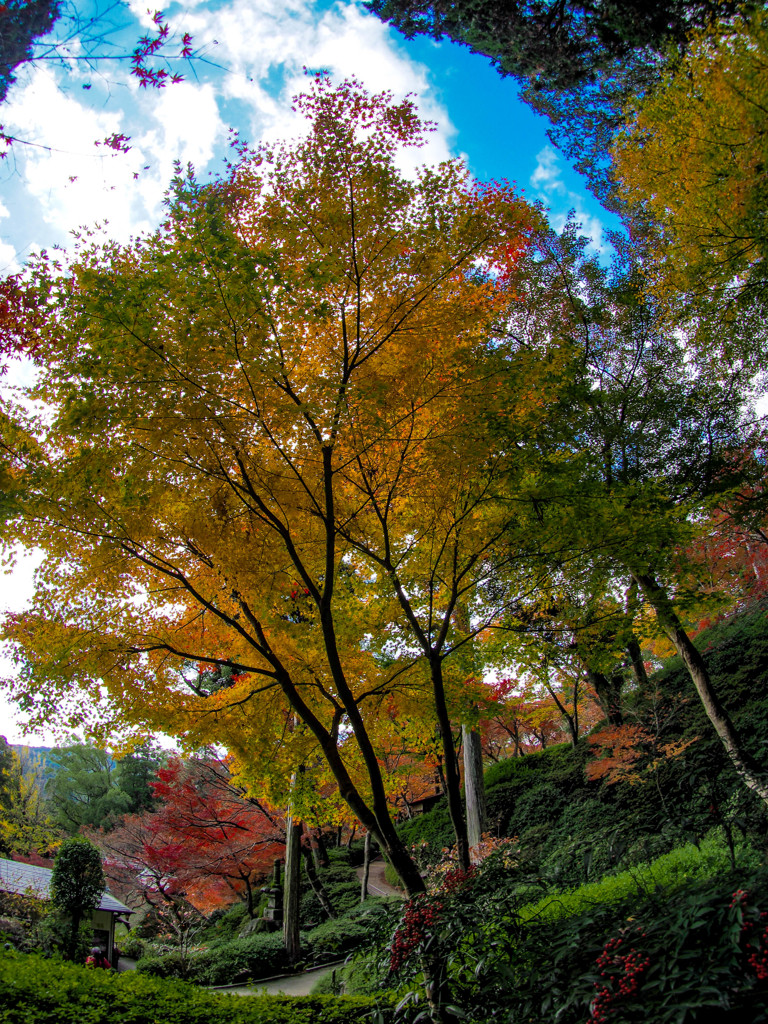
(553,44)
(270,452)
(219,834)
(27,828)
(580,64)
(657,437)
(693,155)
(147,870)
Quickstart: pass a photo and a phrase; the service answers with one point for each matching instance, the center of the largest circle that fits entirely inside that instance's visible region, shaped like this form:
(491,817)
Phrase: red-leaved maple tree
(205,844)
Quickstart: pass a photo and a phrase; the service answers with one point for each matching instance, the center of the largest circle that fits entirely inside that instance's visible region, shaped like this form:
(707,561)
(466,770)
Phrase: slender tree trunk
(633,647)
(572,721)
(248,895)
(376,820)
(450,764)
(746,767)
(291,937)
(351,837)
(474,787)
(319,845)
(366,868)
(315,881)
(74,931)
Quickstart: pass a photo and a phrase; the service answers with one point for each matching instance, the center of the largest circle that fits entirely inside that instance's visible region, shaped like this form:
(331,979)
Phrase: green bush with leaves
(334,938)
(683,940)
(132,946)
(225,925)
(39,991)
(671,871)
(259,956)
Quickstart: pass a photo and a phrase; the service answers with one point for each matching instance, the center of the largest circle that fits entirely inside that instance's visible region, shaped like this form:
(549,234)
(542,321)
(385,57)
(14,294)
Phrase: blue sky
(250,59)
(251,54)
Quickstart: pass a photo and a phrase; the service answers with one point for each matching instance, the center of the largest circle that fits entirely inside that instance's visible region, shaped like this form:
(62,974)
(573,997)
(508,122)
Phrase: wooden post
(474,787)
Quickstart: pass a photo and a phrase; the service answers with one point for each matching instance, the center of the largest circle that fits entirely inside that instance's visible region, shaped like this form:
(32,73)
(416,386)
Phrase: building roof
(31,880)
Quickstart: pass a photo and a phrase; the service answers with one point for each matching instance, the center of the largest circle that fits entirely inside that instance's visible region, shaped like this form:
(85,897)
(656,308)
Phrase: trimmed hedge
(259,956)
(38,991)
(331,939)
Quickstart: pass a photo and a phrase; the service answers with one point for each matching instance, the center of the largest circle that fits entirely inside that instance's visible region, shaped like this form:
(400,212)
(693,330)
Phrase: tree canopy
(270,422)
(554,44)
(693,155)
(77,884)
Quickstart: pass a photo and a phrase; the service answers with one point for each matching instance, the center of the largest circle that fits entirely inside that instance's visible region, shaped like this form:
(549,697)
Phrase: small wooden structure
(31,880)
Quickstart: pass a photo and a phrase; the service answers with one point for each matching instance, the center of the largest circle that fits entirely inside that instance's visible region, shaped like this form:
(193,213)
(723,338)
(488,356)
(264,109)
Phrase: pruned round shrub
(334,938)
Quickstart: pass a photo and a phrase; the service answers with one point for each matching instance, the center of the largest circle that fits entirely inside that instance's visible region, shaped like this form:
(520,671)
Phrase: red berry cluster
(420,916)
(754,935)
(739,899)
(616,966)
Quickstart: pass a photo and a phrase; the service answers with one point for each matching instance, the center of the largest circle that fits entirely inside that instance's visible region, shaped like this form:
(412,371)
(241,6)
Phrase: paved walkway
(377,883)
(293,985)
(298,984)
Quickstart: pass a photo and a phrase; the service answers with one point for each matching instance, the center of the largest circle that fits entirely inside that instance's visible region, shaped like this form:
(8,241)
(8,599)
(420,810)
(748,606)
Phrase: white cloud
(72,180)
(262,45)
(547,179)
(8,262)
(547,175)
(263,42)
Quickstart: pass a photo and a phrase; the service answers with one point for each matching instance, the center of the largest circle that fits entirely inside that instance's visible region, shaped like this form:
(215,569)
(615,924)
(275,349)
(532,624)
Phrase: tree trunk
(608,690)
(450,765)
(474,787)
(319,845)
(633,647)
(366,868)
(746,767)
(291,938)
(315,882)
(249,896)
(636,661)
(74,931)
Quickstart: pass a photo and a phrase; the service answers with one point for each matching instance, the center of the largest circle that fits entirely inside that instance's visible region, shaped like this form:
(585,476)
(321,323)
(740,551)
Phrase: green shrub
(391,877)
(225,925)
(359,978)
(132,946)
(259,956)
(670,871)
(428,834)
(165,965)
(38,991)
(333,938)
(678,960)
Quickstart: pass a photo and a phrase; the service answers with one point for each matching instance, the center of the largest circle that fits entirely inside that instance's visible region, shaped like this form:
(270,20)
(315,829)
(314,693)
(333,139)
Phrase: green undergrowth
(684,866)
(571,830)
(38,991)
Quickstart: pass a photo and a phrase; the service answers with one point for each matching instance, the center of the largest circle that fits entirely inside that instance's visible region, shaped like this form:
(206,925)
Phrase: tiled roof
(36,881)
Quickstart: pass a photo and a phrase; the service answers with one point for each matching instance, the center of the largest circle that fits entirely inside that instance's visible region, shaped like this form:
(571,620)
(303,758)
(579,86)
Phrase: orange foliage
(624,752)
